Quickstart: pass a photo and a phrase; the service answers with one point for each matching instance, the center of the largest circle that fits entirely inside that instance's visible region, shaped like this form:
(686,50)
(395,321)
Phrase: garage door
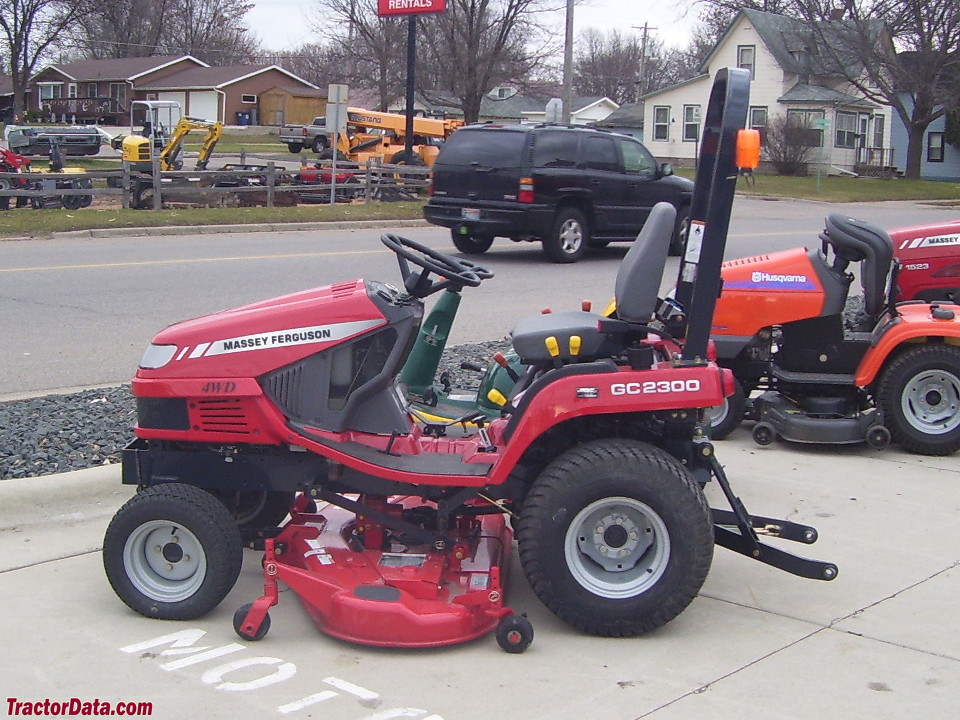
(204,105)
(176,97)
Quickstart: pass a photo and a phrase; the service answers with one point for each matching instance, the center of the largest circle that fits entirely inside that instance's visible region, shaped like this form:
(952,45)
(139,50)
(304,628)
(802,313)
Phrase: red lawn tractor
(401,528)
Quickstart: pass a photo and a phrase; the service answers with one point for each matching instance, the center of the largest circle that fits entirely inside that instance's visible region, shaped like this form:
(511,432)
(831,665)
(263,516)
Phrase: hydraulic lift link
(747,543)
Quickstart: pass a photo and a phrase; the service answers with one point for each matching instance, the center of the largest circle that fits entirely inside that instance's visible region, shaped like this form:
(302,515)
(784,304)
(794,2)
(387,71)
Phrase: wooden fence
(233,184)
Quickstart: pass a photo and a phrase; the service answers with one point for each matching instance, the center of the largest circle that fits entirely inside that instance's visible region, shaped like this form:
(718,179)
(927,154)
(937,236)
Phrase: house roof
(117,68)
(628,115)
(794,43)
(697,78)
(215,77)
(817,94)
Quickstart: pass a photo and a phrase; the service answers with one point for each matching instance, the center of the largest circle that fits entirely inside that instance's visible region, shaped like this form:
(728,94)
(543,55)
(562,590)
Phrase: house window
(935,147)
(72,90)
(51,91)
(878,121)
(92,91)
(661,122)
(118,91)
(691,123)
(745,57)
(846,130)
(757,120)
(806,126)
(248,98)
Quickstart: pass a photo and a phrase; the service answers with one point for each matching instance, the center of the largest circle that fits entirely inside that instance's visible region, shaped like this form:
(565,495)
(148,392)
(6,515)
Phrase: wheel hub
(617,547)
(164,561)
(570,236)
(931,401)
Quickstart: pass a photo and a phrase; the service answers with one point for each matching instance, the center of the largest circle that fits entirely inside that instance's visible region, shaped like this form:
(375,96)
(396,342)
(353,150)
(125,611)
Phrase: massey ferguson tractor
(401,529)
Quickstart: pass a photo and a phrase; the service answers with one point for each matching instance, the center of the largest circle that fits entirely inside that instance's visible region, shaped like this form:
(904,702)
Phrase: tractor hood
(253,339)
(929,257)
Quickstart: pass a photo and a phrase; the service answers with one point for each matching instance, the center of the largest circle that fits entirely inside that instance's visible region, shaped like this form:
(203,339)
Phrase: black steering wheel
(456,272)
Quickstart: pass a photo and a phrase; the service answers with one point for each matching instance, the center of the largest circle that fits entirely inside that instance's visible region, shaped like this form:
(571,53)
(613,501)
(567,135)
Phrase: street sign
(337,108)
(409,7)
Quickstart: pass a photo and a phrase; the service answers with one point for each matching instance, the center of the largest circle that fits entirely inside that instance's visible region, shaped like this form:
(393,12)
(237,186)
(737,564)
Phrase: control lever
(501,360)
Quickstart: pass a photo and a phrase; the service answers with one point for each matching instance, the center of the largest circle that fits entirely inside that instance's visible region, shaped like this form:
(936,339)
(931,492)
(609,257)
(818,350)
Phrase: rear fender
(609,390)
(915,325)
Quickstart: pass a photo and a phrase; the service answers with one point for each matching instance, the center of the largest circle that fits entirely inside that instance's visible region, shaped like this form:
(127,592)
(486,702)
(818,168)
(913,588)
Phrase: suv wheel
(470,244)
(569,237)
(680,230)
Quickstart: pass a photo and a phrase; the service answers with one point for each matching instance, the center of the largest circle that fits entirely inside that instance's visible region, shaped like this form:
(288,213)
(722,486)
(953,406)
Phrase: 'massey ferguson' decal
(282,338)
(931,241)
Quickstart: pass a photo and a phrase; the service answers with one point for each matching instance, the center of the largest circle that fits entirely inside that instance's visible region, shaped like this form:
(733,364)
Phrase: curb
(61,498)
(160,231)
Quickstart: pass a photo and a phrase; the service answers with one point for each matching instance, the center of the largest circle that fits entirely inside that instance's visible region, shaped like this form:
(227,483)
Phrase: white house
(788,77)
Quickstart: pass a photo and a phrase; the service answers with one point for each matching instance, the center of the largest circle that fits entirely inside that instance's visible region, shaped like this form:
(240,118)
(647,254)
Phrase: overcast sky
(282,24)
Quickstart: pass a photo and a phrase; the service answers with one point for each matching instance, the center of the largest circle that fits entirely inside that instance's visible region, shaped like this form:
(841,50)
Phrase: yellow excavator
(156,141)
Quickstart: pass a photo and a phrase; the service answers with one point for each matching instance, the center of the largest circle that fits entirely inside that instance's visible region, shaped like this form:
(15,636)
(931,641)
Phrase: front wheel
(172,552)
(319,144)
(569,237)
(615,537)
(681,229)
(919,394)
(726,416)
(470,244)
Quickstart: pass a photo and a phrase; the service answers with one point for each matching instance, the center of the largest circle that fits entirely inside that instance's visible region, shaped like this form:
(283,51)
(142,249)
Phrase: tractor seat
(859,241)
(575,335)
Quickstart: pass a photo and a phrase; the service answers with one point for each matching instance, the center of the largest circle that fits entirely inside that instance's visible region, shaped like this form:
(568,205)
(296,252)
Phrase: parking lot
(881,641)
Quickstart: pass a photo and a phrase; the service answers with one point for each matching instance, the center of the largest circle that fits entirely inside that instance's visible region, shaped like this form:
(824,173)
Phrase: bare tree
(210,30)
(120,28)
(607,64)
(914,67)
(30,29)
(319,64)
(477,45)
(372,48)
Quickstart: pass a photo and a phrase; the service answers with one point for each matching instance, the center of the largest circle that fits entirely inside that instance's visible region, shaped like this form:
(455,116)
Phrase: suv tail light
(525,194)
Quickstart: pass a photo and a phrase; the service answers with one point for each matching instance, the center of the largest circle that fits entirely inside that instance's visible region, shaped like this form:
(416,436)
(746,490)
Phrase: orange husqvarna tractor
(807,372)
(397,532)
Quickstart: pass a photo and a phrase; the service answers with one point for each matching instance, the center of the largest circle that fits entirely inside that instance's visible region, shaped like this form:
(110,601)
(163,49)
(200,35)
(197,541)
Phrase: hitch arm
(744,539)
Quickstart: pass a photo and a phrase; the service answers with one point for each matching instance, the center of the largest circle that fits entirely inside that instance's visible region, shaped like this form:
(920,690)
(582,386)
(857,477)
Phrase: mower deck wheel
(240,615)
(515,633)
(172,552)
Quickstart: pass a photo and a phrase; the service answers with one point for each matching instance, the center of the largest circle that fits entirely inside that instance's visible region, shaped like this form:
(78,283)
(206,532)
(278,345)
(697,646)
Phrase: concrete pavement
(881,641)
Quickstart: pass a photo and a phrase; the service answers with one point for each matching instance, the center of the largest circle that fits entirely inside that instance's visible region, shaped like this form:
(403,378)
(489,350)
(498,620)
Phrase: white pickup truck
(298,137)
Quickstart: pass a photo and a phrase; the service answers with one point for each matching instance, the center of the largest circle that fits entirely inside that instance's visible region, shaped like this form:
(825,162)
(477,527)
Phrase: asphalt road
(78,312)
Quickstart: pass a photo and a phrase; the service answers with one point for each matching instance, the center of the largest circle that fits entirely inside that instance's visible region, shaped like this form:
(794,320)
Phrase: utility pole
(568,67)
(643,55)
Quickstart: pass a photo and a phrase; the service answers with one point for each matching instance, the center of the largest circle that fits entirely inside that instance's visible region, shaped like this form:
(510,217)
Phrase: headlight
(156,356)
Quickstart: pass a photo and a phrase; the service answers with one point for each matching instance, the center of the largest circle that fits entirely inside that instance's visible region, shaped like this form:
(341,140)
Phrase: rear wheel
(920,398)
(4,201)
(470,244)
(294,147)
(404,158)
(172,552)
(328,154)
(569,237)
(615,537)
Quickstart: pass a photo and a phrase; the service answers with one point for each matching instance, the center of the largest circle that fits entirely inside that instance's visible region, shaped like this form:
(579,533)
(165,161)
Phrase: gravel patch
(62,433)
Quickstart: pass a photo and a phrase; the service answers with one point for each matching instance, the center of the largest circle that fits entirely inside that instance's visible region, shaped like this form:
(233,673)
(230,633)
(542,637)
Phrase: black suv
(567,187)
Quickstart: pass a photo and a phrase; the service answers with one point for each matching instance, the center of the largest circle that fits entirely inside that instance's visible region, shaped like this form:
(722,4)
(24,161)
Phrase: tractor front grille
(221,416)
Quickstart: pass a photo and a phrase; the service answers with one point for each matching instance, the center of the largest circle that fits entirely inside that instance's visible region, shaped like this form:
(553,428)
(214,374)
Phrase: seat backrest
(859,241)
(638,279)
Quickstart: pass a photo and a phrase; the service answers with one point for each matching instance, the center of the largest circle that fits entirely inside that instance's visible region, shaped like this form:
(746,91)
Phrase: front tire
(681,229)
(470,244)
(920,398)
(569,237)
(615,537)
(172,552)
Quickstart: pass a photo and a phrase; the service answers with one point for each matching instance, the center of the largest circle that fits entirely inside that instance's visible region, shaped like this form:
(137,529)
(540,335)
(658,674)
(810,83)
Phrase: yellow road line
(188,261)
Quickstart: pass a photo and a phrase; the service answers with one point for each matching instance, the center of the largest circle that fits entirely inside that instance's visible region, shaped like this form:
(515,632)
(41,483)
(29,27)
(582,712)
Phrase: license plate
(470,213)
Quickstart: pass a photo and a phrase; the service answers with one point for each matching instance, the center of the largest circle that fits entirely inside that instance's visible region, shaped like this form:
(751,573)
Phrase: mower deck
(399,593)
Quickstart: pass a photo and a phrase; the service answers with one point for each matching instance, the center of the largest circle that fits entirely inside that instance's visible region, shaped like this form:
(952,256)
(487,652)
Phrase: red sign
(409,7)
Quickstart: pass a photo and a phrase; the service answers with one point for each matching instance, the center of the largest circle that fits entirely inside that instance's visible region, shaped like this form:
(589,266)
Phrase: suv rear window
(555,149)
(488,148)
